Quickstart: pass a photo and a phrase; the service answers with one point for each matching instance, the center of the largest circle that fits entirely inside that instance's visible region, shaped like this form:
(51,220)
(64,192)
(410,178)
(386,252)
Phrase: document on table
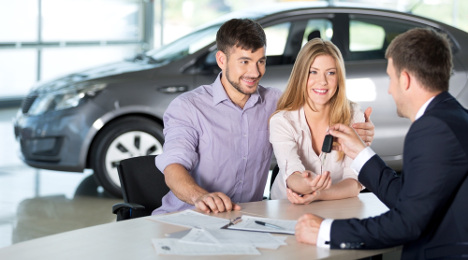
(218,242)
(171,246)
(249,223)
(209,235)
(231,237)
(191,219)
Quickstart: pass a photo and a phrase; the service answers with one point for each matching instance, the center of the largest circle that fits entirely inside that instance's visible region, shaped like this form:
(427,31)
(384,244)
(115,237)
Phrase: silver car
(95,118)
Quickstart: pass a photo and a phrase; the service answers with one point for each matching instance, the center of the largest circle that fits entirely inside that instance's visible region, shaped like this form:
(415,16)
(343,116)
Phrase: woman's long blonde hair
(296,94)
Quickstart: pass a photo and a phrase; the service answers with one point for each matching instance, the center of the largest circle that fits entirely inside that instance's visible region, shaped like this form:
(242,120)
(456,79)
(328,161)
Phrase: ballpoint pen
(268,224)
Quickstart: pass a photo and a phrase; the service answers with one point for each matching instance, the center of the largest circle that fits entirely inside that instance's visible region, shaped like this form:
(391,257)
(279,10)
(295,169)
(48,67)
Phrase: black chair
(274,173)
(143,187)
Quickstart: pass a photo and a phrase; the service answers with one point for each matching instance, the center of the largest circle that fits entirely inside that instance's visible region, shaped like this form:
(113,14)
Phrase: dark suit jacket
(428,202)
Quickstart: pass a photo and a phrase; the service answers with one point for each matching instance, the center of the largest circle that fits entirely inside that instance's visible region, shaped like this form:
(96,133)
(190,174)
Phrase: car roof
(275,9)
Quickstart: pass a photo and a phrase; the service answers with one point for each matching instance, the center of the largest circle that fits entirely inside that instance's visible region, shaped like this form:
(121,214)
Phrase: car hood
(107,70)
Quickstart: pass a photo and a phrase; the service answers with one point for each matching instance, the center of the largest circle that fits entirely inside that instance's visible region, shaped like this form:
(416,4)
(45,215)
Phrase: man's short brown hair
(426,54)
(244,33)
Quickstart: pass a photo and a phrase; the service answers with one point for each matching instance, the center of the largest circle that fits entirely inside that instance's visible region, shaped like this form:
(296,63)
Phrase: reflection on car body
(95,118)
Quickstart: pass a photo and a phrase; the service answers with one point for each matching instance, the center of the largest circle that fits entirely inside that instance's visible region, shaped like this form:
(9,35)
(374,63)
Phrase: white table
(131,239)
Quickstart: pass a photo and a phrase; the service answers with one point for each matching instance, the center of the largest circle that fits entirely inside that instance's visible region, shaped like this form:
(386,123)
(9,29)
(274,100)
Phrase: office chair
(143,187)
(274,173)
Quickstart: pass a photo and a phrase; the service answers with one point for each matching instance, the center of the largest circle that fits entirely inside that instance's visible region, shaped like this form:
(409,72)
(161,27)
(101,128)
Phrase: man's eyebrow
(248,58)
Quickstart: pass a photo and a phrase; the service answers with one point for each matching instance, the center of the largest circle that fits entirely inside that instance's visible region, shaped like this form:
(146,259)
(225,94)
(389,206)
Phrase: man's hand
(215,202)
(365,130)
(307,229)
(348,140)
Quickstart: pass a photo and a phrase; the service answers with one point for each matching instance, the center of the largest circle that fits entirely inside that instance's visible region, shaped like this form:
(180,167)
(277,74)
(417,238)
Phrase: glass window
(365,36)
(18,21)
(318,28)
(90,20)
(18,71)
(186,45)
(370,35)
(277,36)
(60,61)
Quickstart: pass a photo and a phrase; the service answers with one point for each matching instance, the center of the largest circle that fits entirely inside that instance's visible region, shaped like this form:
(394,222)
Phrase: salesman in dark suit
(428,201)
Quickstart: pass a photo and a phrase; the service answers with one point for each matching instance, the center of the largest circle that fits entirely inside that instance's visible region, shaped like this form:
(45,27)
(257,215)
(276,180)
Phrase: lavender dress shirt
(223,147)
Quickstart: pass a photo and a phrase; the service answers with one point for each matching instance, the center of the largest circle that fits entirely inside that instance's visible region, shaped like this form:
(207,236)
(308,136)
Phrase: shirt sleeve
(284,145)
(323,239)
(362,158)
(181,136)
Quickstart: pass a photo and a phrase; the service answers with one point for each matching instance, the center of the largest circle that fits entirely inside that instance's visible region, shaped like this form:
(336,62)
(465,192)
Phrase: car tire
(121,139)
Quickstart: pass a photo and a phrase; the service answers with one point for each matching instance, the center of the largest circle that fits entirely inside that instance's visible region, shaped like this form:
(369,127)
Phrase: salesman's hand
(307,229)
(215,202)
(347,139)
(365,130)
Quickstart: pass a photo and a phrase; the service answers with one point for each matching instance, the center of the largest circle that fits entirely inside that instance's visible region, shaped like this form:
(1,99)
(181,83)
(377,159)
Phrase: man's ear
(221,59)
(405,80)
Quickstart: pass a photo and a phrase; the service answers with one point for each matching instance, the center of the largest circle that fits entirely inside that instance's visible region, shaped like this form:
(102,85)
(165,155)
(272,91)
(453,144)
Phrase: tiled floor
(36,203)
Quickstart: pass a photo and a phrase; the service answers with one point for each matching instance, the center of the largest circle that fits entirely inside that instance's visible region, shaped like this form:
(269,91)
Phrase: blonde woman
(314,99)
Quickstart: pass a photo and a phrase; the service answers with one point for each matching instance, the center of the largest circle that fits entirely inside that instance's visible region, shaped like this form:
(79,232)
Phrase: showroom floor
(36,203)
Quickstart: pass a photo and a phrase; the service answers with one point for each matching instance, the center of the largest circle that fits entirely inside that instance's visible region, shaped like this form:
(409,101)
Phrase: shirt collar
(220,95)
(422,109)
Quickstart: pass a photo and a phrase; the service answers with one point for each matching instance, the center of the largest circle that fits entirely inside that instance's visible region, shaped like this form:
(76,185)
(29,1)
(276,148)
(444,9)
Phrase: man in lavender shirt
(216,151)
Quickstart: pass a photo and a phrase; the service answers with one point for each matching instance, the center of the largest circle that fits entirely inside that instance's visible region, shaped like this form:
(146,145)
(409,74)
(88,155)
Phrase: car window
(277,36)
(318,28)
(284,40)
(365,36)
(186,45)
(369,36)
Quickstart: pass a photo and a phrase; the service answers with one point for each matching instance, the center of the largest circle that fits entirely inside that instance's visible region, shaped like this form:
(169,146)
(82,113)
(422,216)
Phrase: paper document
(191,219)
(234,237)
(270,225)
(170,246)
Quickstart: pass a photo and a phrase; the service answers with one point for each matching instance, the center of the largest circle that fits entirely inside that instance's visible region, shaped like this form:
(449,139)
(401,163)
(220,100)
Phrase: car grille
(27,103)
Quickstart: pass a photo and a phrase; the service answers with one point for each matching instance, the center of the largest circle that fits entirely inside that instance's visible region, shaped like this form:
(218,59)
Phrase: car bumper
(56,140)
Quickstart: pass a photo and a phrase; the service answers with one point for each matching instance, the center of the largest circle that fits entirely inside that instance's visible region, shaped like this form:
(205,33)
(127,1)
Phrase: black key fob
(327,144)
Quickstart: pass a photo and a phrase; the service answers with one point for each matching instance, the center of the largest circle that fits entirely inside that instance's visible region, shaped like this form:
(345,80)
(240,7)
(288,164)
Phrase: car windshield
(186,45)
(196,40)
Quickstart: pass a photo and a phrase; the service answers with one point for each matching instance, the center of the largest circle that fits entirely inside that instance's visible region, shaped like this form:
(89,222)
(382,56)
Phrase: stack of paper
(207,238)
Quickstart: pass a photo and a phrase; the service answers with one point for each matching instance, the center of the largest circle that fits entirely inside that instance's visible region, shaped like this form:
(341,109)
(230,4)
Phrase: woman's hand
(317,182)
(299,199)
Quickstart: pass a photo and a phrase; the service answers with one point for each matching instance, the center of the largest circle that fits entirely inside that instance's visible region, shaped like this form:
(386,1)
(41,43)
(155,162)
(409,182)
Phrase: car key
(326,148)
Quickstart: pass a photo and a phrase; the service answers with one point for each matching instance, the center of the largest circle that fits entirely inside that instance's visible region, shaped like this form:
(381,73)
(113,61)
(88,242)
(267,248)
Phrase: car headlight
(63,99)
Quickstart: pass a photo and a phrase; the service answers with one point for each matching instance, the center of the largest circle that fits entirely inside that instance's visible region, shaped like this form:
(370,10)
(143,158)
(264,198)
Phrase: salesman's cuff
(323,239)
(361,159)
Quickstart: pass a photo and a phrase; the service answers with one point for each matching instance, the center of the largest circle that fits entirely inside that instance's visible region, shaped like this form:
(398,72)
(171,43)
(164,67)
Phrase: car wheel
(122,139)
